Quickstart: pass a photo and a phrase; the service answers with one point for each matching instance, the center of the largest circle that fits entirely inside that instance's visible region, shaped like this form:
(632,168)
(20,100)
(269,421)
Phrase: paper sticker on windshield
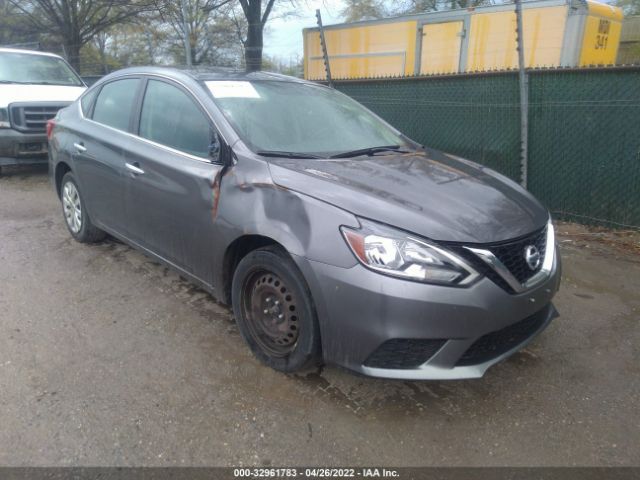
(232,89)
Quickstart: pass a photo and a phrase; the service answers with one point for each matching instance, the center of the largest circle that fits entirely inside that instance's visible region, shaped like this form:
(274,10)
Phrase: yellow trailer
(629,51)
(556,33)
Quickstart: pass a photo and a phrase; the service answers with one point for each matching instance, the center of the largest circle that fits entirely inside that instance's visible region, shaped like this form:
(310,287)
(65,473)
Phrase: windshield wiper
(276,153)
(370,151)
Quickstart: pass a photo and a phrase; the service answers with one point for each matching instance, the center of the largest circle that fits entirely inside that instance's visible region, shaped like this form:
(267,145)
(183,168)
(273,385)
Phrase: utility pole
(523,80)
(187,34)
(325,53)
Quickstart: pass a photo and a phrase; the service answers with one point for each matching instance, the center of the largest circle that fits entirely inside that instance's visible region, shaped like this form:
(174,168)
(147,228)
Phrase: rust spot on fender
(217,180)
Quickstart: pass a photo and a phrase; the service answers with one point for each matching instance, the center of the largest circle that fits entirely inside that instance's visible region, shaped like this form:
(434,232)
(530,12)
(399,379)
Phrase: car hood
(432,194)
(11,93)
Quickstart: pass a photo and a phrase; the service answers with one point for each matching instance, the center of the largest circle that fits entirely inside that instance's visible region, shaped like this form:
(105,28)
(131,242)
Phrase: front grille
(401,353)
(481,267)
(496,343)
(510,253)
(32,117)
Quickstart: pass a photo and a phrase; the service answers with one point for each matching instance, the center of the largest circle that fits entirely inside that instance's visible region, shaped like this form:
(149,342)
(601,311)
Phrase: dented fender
(246,201)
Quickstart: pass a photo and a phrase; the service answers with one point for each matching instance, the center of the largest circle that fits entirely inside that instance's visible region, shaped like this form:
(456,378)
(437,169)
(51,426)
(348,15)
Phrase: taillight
(50,125)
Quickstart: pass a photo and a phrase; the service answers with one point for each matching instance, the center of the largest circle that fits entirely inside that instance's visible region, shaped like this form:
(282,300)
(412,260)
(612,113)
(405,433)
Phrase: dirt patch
(623,241)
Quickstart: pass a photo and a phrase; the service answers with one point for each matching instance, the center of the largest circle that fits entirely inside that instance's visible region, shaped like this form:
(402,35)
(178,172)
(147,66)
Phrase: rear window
(115,103)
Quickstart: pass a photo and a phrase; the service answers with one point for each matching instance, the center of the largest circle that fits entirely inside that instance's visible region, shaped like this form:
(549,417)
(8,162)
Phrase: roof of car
(203,74)
(28,52)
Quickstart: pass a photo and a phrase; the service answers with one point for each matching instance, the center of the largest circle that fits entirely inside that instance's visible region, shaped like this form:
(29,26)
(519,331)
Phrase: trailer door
(441,45)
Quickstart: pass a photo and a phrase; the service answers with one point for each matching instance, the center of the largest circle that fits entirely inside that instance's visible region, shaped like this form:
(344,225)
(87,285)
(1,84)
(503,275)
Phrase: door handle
(134,168)
(80,148)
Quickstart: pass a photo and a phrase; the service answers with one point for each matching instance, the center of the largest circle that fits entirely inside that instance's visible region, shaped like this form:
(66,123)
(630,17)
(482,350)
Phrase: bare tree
(402,7)
(13,27)
(227,37)
(356,10)
(77,22)
(100,42)
(417,6)
(144,40)
(195,20)
(257,17)
(630,7)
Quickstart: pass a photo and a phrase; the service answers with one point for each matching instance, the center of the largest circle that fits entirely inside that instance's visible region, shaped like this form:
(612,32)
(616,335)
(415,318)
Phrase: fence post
(523,80)
(323,43)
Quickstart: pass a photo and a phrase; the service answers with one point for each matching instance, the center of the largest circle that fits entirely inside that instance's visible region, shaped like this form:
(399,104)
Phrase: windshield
(36,69)
(277,116)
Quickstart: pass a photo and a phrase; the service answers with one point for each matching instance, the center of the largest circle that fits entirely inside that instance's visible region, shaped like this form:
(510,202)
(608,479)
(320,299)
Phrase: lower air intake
(496,343)
(403,353)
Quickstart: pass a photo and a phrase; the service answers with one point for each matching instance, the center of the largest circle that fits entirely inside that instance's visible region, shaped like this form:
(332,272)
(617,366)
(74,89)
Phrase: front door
(441,47)
(170,178)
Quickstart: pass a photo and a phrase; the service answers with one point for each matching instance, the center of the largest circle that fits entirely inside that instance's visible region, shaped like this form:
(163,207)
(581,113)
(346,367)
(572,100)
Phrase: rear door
(441,47)
(97,152)
(170,178)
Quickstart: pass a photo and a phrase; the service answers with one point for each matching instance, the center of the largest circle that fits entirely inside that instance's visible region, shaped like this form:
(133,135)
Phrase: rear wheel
(274,311)
(75,215)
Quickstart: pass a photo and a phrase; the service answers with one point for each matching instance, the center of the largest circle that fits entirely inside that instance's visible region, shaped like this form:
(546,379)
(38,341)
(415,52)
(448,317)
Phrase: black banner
(428,473)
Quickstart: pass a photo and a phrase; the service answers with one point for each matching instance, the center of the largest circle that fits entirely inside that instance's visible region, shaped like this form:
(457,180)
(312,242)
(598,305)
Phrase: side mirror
(219,151)
(215,148)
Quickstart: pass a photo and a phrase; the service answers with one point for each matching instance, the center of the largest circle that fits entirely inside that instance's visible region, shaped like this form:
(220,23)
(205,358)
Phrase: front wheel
(274,311)
(75,214)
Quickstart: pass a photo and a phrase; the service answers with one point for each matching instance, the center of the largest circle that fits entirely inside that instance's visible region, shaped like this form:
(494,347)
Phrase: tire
(75,215)
(263,278)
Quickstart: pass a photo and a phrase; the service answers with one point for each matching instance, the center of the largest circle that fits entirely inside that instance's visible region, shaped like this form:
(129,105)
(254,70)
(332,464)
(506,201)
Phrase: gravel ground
(107,358)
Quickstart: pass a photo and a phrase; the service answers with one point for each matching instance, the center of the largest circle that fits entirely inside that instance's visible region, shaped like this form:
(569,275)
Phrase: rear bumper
(360,310)
(18,148)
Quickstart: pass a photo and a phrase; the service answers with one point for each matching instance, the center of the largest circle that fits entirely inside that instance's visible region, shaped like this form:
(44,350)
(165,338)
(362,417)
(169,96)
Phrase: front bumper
(18,148)
(359,310)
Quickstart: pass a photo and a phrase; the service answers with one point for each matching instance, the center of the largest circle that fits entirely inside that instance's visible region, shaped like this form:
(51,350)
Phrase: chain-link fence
(584,131)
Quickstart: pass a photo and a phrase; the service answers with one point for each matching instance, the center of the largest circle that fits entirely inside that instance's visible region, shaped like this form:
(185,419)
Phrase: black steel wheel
(274,310)
(270,312)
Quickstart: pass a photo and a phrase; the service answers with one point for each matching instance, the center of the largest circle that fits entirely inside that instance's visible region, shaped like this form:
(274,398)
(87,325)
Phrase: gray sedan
(335,237)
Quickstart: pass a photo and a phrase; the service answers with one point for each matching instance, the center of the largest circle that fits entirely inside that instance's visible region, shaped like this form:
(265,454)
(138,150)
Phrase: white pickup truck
(33,87)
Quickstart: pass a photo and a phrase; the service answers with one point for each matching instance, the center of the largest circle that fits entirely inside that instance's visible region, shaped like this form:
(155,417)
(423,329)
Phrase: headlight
(4,118)
(396,253)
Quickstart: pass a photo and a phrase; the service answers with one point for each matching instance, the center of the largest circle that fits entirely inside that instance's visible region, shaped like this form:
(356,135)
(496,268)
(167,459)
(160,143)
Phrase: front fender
(251,204)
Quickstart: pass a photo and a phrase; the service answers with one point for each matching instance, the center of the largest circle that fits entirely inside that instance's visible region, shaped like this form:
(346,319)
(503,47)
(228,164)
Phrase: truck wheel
(274,311)
(75,215)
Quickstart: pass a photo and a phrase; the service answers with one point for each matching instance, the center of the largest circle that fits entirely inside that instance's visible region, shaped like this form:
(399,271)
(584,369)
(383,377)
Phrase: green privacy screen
(584,131)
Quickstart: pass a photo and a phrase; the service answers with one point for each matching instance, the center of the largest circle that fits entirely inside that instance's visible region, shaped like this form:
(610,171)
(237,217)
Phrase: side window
(115,102)
(170,117)
(87,100)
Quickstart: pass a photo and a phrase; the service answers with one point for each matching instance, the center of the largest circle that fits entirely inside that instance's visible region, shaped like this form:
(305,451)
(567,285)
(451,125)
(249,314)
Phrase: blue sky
(284,35)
